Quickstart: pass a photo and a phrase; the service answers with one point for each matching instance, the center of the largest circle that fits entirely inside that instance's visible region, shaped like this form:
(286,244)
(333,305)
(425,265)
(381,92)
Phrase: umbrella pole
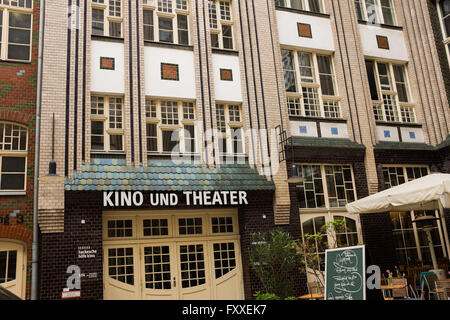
(444,228)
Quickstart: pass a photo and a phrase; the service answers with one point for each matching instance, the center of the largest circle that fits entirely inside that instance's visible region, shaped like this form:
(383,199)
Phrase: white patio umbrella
(431,192)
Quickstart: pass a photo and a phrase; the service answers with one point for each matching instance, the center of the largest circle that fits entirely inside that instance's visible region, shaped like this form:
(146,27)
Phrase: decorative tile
(107,63)
(226,74)
(383,42)
(304,30)
(170,72)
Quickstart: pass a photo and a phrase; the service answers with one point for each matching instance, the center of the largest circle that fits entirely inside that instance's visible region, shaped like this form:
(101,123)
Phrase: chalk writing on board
(347,280)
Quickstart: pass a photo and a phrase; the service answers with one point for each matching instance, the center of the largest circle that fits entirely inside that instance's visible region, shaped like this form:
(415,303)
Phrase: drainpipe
(35,253)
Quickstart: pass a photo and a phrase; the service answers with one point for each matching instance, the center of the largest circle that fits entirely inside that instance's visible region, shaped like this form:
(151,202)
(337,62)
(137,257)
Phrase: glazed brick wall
(18,105)
(60,250)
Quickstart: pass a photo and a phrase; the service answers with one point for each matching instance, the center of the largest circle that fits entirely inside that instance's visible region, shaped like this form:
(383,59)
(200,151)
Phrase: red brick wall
(18,104)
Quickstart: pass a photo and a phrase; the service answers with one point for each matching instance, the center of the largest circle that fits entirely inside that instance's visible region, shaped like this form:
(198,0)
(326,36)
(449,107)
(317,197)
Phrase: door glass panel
(192,263)
(224,258)
(120,265)
(157,267)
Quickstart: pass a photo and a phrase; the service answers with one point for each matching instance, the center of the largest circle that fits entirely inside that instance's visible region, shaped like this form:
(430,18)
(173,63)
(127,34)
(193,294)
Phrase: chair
(400,293)
(443,289)
(430,281)
(312,287)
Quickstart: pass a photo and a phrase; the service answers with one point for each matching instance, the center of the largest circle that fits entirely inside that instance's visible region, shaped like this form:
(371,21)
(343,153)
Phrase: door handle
(174,282)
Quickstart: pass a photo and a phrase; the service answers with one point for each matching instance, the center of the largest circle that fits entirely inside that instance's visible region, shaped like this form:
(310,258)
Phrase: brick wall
(18,105)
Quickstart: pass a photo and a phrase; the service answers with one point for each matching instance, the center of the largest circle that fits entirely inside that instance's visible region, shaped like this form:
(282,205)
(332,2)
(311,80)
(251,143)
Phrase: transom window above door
(325,186)
(166,21)
(166,226)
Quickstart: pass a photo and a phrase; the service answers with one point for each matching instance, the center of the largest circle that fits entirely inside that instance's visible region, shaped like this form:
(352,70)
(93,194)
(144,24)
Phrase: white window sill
(13,193)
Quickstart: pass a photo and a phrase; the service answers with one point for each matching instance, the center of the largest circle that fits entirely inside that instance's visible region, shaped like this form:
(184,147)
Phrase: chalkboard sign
(345,277)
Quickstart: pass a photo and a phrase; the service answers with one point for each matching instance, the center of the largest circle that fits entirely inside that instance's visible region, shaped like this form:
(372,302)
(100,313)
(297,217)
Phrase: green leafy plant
(274,259)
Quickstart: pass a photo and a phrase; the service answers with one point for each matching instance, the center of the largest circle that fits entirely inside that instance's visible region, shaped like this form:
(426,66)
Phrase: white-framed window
(106,124)
(410,241)
(170,126)
(306,5)
(229,126)
(376,11)
(310,84)
(107,18)
(349,235)
(444,12)
(166,21)
(390,92)
(13,157)
(325,186)
(221,24)
(16,29)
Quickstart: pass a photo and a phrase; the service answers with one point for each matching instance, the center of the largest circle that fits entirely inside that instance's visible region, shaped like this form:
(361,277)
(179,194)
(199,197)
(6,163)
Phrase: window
(229,126)
(444,8)
(221,24)
(375,11)
(409,241)
(310,84)
(345,236)
(390,92)
(307,5)
(15,30)
(168,124)
(106,124)
(13,152)
(168,21)
(8,265)
(325,186)
(107,18)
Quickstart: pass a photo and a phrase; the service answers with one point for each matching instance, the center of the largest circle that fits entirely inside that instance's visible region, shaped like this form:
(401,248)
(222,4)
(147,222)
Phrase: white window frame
(220,23)
(401,107)
(305,5)
(412,213)
(182,122)
(322,99)
(107,131)
(379,12)
(6,9)
(152,5)
(17,154)
(107,18)
(228,136)
(446,40)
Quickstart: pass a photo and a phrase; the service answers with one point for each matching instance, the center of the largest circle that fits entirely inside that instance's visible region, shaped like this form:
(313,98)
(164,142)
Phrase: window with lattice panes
(230,128)
(375,11)
(444,13)
(188,226)
(192,264)
(157,271)
(155,227)
(121,265)
(13,157)
(221,24)
(107,129)
(224,258)
(16,18)
(222,224)
(305,5)
(107,18)
(120,228)
(390,92)
(167,22)
(325,186)
(310,80)
(170,126)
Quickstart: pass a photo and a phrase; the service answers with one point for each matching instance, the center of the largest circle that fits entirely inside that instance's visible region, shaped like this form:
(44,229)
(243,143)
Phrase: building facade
(19,34)
(174,126)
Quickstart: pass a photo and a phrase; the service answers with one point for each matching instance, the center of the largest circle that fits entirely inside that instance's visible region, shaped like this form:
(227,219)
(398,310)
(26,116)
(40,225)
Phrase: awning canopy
(421,194)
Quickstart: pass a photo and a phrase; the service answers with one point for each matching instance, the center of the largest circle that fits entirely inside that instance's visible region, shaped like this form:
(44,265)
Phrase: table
(389,288)
(312,296)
